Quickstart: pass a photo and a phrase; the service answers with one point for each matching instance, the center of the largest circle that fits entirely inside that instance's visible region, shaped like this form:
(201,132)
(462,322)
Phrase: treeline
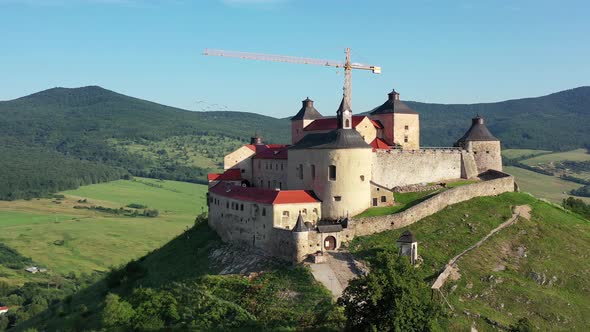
(27,172)
(152,213)
(12,259)
(577,205)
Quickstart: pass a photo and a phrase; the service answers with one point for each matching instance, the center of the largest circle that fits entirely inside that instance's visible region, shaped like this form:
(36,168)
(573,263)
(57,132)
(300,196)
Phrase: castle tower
(300,238)
(480,142)
(401,124)
(302,119)
(336,165)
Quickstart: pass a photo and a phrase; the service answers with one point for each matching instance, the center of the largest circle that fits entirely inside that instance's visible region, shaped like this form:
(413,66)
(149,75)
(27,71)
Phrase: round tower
(484,147)
(336,165)
(300,239)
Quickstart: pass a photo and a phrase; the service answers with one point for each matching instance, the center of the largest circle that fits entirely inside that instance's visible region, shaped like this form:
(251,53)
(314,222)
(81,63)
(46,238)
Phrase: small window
(405,139)
(488,152)
(347,123)
(276,167)
(274,184)
(474,152)
(227,205)
(313,172)
(383,199)
(241,207)
(304,211)
(406,127)
(259,164)
(286,214)
(300,171)
(332,172)
(280,185)
(374,201)
(264,211)
(337,198)
(362,178)
(243,170)
(268,184)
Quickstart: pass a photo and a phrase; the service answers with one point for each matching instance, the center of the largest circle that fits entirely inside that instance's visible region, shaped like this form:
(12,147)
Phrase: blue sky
(433,51)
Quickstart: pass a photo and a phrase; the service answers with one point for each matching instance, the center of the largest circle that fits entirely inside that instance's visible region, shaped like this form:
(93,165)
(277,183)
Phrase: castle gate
(330,243)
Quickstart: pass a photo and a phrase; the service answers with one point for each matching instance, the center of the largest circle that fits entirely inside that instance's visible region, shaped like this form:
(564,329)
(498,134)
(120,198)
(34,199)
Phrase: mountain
(54,132)
(46,138)
(557,122)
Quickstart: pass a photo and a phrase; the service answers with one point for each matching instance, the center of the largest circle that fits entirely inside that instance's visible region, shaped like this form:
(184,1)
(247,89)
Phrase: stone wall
(393,168)
(500,183)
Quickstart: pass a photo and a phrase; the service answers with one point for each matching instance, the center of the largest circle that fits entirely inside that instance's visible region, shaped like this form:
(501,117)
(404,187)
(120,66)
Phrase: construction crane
(347,65)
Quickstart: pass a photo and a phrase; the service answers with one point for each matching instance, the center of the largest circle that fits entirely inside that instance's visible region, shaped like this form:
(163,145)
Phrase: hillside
(537,268)
(52,132)
(556,122)
(56,132)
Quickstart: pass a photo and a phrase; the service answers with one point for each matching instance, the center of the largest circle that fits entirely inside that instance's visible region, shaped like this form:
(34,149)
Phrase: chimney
(256,139)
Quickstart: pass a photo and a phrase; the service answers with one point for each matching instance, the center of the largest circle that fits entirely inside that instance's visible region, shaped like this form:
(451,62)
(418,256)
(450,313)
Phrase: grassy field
(518,153)
(64,239)
(544,186)
(574,155)
(554,241)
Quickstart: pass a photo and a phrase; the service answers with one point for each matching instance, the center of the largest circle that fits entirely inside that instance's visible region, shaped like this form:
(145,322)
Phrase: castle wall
(285,215)
(269,173)
(348,194)
(370,225)
(468,166)
(392,168)
(487,155)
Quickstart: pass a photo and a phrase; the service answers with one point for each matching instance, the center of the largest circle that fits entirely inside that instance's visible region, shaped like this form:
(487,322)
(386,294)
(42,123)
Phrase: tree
(392,297)
(116,311)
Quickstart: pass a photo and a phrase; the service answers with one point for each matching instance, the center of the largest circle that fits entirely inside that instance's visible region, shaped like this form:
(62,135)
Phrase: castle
(298,199)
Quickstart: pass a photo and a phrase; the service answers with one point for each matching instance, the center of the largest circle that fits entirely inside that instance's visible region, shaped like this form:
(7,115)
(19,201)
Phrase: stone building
(298,199)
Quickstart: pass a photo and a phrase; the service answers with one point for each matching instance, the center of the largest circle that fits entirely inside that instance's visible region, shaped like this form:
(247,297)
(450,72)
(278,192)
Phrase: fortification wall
(500,183)
(392,168)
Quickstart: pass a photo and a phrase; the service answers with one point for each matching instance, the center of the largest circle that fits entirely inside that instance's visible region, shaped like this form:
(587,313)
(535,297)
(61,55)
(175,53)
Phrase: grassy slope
(517,153)
(445,234)
(574,155)
(93,240)
(545,186)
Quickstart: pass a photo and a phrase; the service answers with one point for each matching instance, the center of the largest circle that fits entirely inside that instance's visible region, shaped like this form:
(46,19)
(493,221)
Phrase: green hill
(108,135)
(58,132)
(556,122)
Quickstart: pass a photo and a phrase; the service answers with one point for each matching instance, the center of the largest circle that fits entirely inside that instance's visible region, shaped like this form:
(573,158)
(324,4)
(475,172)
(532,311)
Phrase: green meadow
(574,155)
(65,239)
(519,153)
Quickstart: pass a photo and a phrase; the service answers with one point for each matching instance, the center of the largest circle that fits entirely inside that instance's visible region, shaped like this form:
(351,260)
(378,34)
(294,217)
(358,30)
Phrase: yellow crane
(347,64)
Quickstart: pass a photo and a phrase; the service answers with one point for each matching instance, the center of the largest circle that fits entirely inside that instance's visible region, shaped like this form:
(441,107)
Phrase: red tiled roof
(379,144)
(234,174)
(273,151)
(332,123)
(377,124)
(264,196)
(3,308)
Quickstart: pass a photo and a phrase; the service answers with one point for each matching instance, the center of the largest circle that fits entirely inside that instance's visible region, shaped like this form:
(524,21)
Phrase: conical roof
(478,132)
(307,111)
(393,105)
(340,111)
(300,225)
(407,237)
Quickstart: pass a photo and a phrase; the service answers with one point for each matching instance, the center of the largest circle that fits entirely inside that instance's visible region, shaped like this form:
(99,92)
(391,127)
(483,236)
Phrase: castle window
(227,205)
(362,178)
(474,152)
(313,172)
(347,123)
(259,164)
(274,184)
(261,184)
(243,170)
(286,214)
(487,152)
(276,167)
(406,127)
(300,171)
(337,198)
(405,139)
(383,199)
(280,185)
(268,184)
(241,207)
(374,201)
(264,211)
(332,172)
(304,211)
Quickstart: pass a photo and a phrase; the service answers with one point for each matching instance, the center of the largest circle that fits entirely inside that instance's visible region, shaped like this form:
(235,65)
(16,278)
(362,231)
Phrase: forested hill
(559,121)
(60,138)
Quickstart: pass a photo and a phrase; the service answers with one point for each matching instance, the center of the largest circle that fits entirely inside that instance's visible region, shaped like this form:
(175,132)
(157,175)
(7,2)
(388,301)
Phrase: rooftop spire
(344,115)
(300,225)
(307,111)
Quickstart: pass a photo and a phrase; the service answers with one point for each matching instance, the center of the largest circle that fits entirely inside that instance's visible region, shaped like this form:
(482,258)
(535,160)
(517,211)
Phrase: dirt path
(340,267)
(452,270)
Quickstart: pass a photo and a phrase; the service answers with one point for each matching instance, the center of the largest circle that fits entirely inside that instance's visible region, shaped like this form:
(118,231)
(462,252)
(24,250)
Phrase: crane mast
(347,64)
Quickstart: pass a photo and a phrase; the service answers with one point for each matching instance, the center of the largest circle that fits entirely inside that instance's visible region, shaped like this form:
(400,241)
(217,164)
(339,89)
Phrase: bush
(136,206)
